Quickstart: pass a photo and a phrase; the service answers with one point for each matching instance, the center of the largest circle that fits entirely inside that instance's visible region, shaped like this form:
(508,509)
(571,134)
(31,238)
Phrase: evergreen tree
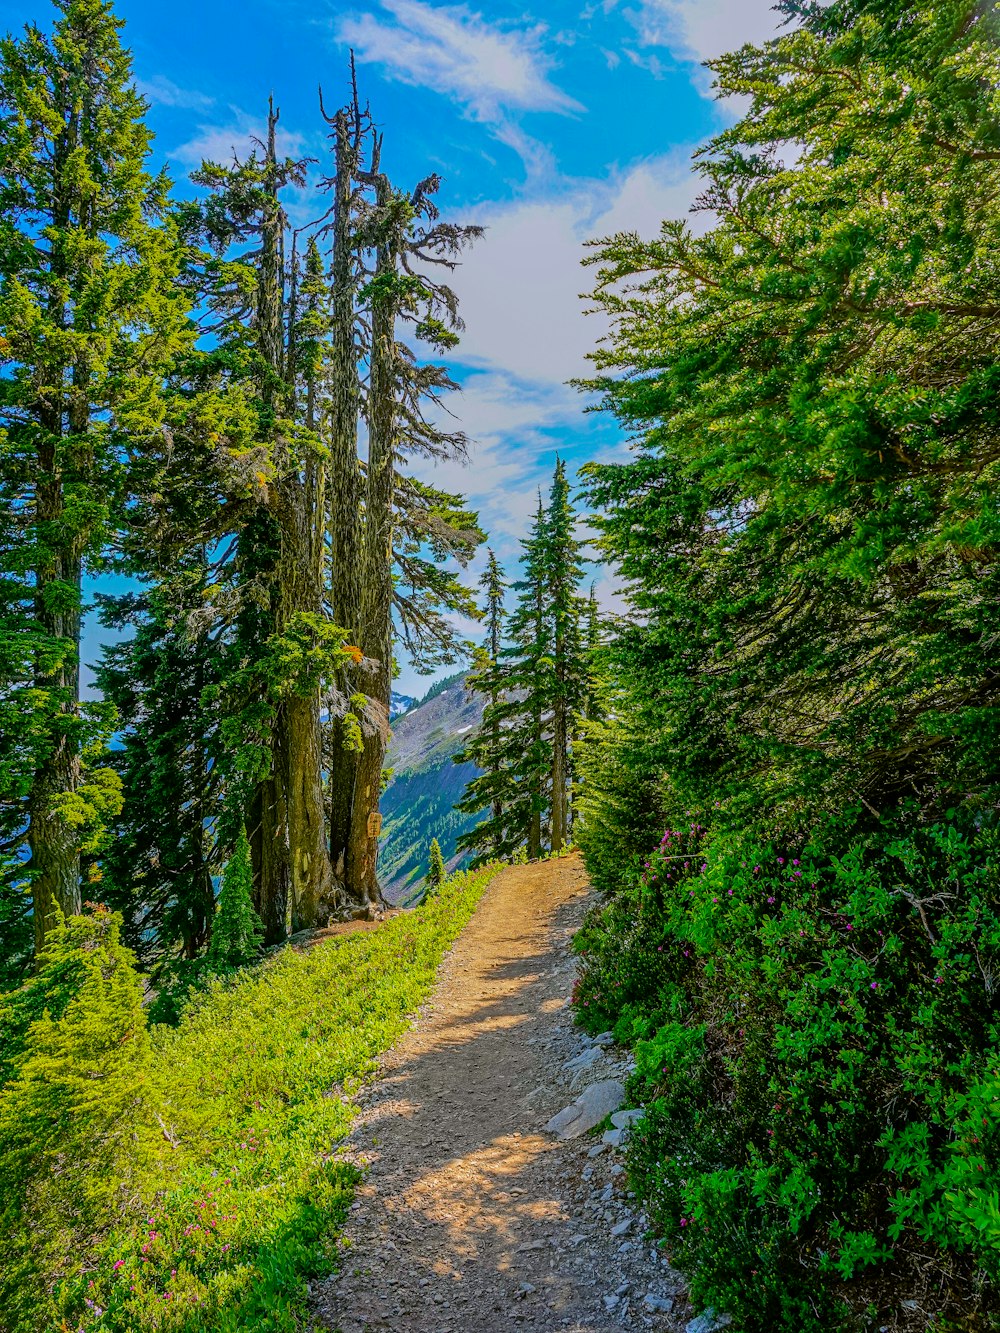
(485,748)
(236,930)
(563,574)
(73,1137)
(525,716)
(537,690)
(157,869)
(436,871)
(89,319)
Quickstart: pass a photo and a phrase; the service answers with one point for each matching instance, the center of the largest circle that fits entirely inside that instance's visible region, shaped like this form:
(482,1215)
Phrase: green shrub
(816,1034)
(237,1194)
(74,1124)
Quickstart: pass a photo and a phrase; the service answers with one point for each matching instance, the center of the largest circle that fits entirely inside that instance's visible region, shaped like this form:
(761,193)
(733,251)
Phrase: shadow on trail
(466,1219)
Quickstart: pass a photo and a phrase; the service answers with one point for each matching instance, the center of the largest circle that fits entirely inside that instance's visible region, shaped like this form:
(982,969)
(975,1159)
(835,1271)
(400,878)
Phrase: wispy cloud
(530,260)
(495,73)
(488,69)
(237,136)
(162,91)
(703,29)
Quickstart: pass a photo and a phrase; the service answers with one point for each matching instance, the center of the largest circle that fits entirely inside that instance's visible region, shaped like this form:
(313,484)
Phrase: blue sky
(550,123)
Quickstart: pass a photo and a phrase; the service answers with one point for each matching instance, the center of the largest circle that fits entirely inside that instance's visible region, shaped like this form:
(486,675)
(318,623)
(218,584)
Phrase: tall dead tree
(408,240)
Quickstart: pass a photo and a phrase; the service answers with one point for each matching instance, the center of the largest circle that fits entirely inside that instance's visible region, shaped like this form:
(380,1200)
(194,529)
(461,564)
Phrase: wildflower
(118,1263)
(781,860)
(874,985)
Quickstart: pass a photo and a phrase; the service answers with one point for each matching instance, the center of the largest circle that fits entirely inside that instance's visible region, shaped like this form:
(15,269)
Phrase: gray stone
(625,1119)
(585,1059)
(622,1229)
(614,1138)
(657,1304)
(597,1149)
(610,1301)
(605,1039)
(709,1322)
(590,1108)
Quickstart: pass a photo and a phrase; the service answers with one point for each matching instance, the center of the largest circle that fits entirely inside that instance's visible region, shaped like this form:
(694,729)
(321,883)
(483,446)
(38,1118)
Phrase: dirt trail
(472,1217)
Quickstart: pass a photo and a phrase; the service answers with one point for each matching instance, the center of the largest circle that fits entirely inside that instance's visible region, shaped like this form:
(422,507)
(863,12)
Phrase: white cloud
(488,69)
(520,287)
(164,92)
(703,29)
(239,135)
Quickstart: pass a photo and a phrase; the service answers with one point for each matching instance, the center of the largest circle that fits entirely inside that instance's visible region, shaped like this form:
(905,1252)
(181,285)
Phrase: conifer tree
(89,320)
(157,868)
(409,241)
(525,721)
(436,871)
(486,748)
(236,929)
(563,574)
(536,693)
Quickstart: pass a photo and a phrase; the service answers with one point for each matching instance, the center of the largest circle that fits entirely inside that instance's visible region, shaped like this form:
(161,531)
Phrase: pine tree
(436,871)
(157,868)
(536,691)
(485,748)
(563,574)
(89,319)
(236,930)
(524,719)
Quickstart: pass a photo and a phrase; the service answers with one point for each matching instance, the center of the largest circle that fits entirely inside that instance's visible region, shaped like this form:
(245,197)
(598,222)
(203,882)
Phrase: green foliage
(74,1127)
(809,532)
(90,321)
(242,1202)
(808,524)
(816,1043)
(435,869)
(157,868)
(236,929)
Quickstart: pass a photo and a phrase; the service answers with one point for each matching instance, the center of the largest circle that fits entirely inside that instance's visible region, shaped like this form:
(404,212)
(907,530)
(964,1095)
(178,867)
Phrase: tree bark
(344,479)
(361,878)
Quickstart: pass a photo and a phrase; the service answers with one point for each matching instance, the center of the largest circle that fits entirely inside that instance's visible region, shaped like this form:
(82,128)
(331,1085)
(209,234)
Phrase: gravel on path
(471,1217)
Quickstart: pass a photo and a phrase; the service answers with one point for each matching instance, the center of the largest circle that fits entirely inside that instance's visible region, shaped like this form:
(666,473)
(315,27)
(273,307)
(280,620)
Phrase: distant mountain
(417,804)
(399,703)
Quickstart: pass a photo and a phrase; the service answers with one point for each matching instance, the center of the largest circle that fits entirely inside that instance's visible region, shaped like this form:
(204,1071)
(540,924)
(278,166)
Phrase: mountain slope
(417,804)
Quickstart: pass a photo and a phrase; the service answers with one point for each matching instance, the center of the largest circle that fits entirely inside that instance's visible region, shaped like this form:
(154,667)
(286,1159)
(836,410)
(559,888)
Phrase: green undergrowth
(239,1195)
(816,1035)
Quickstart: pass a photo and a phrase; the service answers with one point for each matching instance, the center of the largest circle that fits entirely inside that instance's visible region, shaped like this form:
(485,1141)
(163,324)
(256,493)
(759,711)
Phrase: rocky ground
(487,1203)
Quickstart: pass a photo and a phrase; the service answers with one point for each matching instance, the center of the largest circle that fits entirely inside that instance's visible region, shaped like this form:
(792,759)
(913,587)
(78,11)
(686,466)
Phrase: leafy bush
(817,1040)
(239,1197)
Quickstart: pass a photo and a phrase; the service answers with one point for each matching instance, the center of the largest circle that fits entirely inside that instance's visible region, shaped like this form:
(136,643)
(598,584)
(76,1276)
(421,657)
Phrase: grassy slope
(251,1197)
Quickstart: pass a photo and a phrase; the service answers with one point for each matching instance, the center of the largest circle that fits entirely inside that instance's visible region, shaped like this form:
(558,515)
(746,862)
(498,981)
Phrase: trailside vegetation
(182,1177)
(803,691)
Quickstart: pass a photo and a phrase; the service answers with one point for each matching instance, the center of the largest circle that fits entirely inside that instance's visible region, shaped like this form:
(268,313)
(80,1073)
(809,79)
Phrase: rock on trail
(472,1218)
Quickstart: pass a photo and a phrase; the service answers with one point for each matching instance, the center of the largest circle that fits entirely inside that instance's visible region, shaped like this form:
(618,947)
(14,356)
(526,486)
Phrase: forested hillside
(744,660)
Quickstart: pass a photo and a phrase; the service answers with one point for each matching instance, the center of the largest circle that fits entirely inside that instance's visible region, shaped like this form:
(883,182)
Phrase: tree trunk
(559,744)
(268,837)
(344,481)
(362,881)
